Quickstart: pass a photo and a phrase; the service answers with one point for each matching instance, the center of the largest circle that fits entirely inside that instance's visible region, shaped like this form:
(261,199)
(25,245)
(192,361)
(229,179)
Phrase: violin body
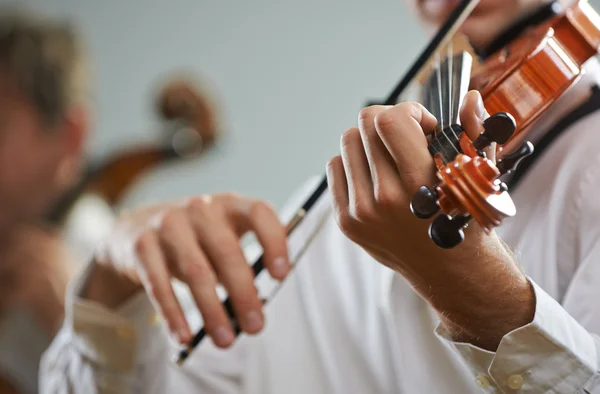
(530,74)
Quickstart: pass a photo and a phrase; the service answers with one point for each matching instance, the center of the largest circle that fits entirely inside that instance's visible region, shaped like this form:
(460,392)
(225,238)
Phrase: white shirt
(343,323)
(22,339)
(88,222)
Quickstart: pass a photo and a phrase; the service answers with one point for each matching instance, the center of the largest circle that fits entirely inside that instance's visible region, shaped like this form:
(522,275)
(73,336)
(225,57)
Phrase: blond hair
(45,60)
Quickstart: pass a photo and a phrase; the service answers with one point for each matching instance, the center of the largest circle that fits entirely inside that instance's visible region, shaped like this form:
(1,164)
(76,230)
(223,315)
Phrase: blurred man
(43,128)
(375,307)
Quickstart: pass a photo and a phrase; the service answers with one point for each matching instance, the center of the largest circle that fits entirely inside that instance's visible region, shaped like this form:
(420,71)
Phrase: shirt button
(125,333)
(154,319)
(515,382)
(482,382)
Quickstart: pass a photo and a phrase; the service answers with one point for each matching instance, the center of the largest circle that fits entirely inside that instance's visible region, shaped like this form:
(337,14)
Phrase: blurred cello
(191,130)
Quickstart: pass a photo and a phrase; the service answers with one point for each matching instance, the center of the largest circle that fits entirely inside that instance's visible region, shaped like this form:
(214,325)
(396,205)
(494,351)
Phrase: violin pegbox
(469,186)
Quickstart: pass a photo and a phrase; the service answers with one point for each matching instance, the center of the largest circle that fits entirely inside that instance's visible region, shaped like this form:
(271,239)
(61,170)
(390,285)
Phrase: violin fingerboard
(442,94)
(446,87)
(446,143)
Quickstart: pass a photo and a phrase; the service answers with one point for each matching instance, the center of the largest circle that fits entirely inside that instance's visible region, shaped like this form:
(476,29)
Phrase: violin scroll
(469,186)
(447,232)
(498,128)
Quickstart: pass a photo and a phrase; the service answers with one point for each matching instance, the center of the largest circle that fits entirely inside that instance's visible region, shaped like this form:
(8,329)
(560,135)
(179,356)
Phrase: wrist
(480,301)
(107,287)
(486,316)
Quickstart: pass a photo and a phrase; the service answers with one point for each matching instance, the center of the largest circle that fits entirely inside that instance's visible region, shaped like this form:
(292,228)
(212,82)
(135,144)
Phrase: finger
(472,115)
(156,280)
(358,174)
(402,129)
(260,218)
(384,174)
(192,266)
(221,245)
(338,186)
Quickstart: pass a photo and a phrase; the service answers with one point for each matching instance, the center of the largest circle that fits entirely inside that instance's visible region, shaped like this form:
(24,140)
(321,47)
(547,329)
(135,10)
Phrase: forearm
(480,302)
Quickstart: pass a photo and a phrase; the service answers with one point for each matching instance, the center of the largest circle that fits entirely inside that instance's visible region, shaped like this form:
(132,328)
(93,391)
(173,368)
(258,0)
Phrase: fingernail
(253,321)
(223,336)
(179,336)
(481,112)
(280,267)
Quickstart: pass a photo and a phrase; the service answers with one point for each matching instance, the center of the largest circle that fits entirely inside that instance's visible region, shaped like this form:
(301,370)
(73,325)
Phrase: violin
(518,83)
(191,127)
(519,78)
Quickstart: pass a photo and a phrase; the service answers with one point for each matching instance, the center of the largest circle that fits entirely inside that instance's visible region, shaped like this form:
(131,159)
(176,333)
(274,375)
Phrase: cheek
(25,166)
(16,162)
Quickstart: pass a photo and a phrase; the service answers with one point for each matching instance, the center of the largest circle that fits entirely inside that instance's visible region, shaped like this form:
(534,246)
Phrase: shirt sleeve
(127,350)
(559,351)
(552,354)
(100,351)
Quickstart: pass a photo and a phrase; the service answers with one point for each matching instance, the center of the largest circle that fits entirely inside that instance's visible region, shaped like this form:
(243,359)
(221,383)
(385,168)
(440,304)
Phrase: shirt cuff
(553,353)
(116,339)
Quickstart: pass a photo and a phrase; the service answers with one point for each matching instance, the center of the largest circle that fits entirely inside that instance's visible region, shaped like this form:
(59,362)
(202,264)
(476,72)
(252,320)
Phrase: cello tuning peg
(448,232)
(498,128)
(424,203)
(510,162)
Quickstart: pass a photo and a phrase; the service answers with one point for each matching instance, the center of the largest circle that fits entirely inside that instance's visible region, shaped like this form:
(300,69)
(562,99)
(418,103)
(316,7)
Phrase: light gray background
(290,77)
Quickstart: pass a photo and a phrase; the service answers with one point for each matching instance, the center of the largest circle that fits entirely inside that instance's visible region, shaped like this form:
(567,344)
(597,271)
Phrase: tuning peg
(498,128)
(510,162)
(448,232)
(424,203)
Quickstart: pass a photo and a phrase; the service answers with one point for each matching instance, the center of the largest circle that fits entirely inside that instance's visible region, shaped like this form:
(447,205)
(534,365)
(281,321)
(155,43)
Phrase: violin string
(441,102)
(439,86)
(451,95)
(438,67)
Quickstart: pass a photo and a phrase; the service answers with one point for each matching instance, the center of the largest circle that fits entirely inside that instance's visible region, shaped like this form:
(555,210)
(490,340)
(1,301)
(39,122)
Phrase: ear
(76,130)
(74,135)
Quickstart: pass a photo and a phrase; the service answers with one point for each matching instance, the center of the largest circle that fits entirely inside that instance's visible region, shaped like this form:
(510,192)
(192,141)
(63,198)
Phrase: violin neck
(442,94)
(444,90)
